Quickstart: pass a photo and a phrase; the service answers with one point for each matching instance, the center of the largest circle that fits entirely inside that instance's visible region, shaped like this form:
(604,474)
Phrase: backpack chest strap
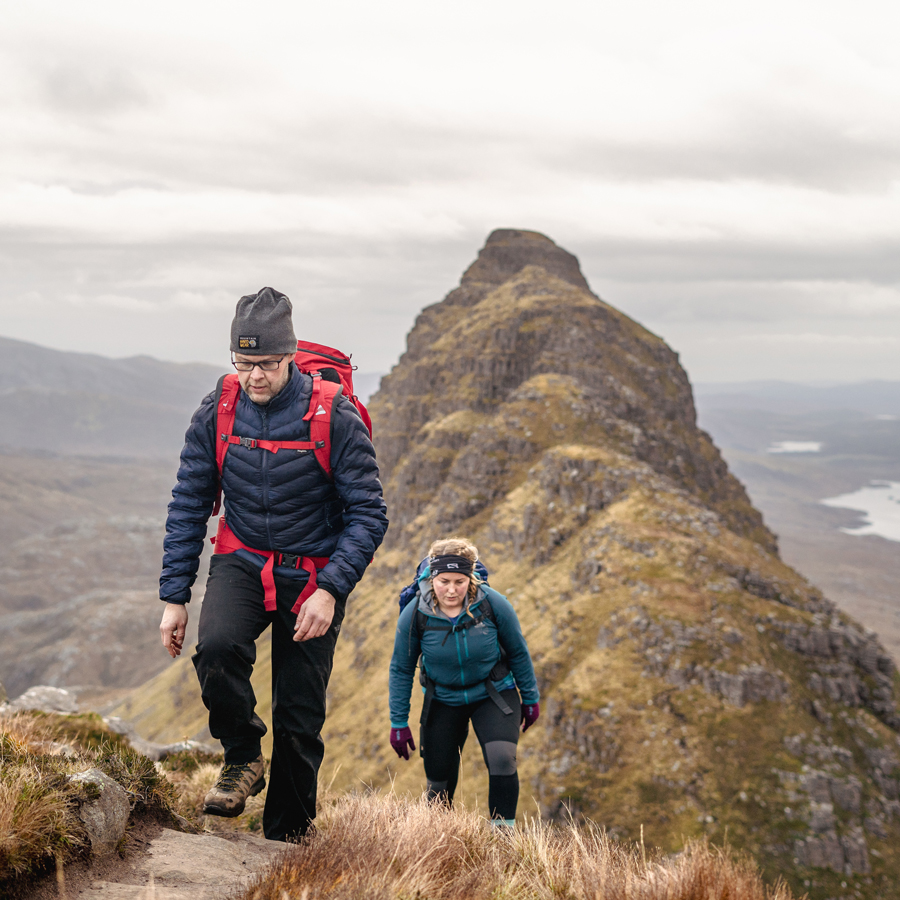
(273,446)
(318,415)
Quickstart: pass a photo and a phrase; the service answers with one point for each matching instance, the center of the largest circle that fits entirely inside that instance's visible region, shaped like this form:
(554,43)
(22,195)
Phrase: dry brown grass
(36,824)
(383,847)
(39,822)
(36,812)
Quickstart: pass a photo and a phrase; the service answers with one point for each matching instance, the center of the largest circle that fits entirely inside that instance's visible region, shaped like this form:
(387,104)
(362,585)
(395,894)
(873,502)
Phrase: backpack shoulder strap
(488,612)
(227,392)
(420,623)
(319,414)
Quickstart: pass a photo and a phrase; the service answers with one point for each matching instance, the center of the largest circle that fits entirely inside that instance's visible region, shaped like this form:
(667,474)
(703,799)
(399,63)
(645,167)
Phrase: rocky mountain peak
(533,329)
(507,251)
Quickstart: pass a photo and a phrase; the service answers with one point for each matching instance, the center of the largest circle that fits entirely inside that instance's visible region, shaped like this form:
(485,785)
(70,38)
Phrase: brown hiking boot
(235,784)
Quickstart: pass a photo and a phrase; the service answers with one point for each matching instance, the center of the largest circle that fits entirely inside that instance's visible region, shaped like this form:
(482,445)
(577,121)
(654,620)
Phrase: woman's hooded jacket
(458,660)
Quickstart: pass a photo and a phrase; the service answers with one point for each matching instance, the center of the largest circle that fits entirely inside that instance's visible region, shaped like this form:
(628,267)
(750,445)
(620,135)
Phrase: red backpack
(332,374)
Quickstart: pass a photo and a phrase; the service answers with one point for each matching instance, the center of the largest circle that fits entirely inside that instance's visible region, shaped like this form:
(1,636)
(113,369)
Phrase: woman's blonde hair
(456,546)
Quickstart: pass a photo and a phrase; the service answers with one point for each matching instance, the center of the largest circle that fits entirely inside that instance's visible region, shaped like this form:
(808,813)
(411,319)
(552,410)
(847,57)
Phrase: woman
(473,658)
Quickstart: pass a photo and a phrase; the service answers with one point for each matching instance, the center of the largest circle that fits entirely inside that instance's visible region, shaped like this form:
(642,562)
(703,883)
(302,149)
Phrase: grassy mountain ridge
(692,683)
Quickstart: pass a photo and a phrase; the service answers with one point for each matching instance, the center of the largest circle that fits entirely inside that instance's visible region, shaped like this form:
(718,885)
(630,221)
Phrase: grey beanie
(262,324)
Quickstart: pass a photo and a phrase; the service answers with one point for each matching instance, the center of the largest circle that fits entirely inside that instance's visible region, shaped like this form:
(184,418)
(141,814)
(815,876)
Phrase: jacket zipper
(264,473)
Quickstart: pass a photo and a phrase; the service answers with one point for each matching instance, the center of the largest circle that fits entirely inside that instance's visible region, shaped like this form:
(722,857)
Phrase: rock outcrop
(45,698)
(105,816)
(523,311)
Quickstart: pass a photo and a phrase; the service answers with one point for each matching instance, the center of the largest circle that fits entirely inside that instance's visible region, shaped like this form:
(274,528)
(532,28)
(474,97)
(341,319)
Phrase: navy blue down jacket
(277,501)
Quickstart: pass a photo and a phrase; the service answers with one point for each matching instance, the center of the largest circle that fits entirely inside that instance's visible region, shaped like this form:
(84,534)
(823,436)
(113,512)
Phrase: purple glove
(400,737)
(530,715)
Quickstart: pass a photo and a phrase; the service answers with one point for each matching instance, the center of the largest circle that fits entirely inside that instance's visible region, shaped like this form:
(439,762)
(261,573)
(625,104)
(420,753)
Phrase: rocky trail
(163,864)
(133,856)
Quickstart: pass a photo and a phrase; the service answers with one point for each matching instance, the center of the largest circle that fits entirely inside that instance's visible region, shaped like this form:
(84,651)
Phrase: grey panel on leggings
(437,787)
(501,757)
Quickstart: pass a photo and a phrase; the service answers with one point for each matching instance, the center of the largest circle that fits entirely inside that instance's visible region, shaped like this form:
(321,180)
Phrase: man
(282,510)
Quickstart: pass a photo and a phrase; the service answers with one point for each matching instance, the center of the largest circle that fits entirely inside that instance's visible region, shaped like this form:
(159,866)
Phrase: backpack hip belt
(493,693)
(226,541)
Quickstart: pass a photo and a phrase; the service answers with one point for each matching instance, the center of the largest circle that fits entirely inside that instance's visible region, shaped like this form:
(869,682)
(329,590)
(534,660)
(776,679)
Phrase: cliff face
(467,409)
(692,684)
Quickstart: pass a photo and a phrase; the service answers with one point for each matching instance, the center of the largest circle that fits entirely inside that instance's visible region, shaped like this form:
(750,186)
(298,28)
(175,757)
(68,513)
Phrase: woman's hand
(402,741)
(530,715)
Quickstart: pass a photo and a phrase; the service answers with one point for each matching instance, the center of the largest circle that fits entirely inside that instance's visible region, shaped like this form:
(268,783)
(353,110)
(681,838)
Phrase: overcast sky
(731,179)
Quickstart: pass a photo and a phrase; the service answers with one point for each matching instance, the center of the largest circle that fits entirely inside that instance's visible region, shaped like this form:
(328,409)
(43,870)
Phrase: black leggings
(444,736)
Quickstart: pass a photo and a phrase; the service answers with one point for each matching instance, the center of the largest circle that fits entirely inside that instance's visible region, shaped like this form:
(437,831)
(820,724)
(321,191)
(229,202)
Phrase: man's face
(261,386)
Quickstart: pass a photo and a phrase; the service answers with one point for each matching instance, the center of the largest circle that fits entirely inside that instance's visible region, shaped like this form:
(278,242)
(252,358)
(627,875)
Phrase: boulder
(45,698)
(152,750)
(105,818)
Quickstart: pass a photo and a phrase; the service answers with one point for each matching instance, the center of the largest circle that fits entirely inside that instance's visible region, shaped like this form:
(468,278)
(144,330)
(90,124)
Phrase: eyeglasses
(266,365)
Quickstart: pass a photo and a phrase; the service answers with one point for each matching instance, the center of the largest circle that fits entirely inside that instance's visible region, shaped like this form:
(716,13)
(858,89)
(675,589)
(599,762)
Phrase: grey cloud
(360,294)
(766,143)
(344,153)
(322,156)
(673,261)
(758,306)
(82,89)
(367,292)
(363,295)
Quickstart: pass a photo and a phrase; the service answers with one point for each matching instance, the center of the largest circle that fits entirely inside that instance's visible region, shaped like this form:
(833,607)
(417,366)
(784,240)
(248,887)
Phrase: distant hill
(80,549)
(870,397)
(81,403)
(692,683)
(856,429)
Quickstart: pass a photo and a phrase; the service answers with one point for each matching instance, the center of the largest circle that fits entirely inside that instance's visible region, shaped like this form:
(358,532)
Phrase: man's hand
(315,616)
(172,628)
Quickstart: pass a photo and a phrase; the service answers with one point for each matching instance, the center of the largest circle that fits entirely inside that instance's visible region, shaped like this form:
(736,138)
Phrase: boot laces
(231,776)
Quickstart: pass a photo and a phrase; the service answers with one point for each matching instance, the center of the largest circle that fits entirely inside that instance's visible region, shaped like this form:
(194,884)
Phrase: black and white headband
(458,565)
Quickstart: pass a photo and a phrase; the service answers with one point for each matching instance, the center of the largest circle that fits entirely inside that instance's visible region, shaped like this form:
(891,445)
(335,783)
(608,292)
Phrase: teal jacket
(459,662)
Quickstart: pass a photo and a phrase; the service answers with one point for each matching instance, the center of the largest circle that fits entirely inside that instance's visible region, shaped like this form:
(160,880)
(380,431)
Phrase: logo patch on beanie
(248,342)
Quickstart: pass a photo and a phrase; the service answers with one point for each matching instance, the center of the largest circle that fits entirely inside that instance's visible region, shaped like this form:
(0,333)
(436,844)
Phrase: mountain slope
(83,403)
(80,545)
(692,683)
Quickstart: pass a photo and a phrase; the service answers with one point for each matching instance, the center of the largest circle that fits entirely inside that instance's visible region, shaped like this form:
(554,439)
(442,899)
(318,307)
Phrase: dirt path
(169,865)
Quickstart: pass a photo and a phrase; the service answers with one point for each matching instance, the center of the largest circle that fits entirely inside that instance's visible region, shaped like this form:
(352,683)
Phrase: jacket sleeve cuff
(179,599)
(399,724)
(328,586)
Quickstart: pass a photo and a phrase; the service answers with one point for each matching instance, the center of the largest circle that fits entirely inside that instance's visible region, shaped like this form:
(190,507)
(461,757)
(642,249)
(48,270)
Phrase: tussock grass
(39,823)
(38,820)
(383,847)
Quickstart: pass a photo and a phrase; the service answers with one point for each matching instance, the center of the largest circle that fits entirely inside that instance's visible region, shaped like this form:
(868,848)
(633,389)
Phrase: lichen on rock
(105,816)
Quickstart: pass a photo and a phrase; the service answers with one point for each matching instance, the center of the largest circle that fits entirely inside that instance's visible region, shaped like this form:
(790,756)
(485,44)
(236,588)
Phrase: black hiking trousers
(232,617)
(443,737)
